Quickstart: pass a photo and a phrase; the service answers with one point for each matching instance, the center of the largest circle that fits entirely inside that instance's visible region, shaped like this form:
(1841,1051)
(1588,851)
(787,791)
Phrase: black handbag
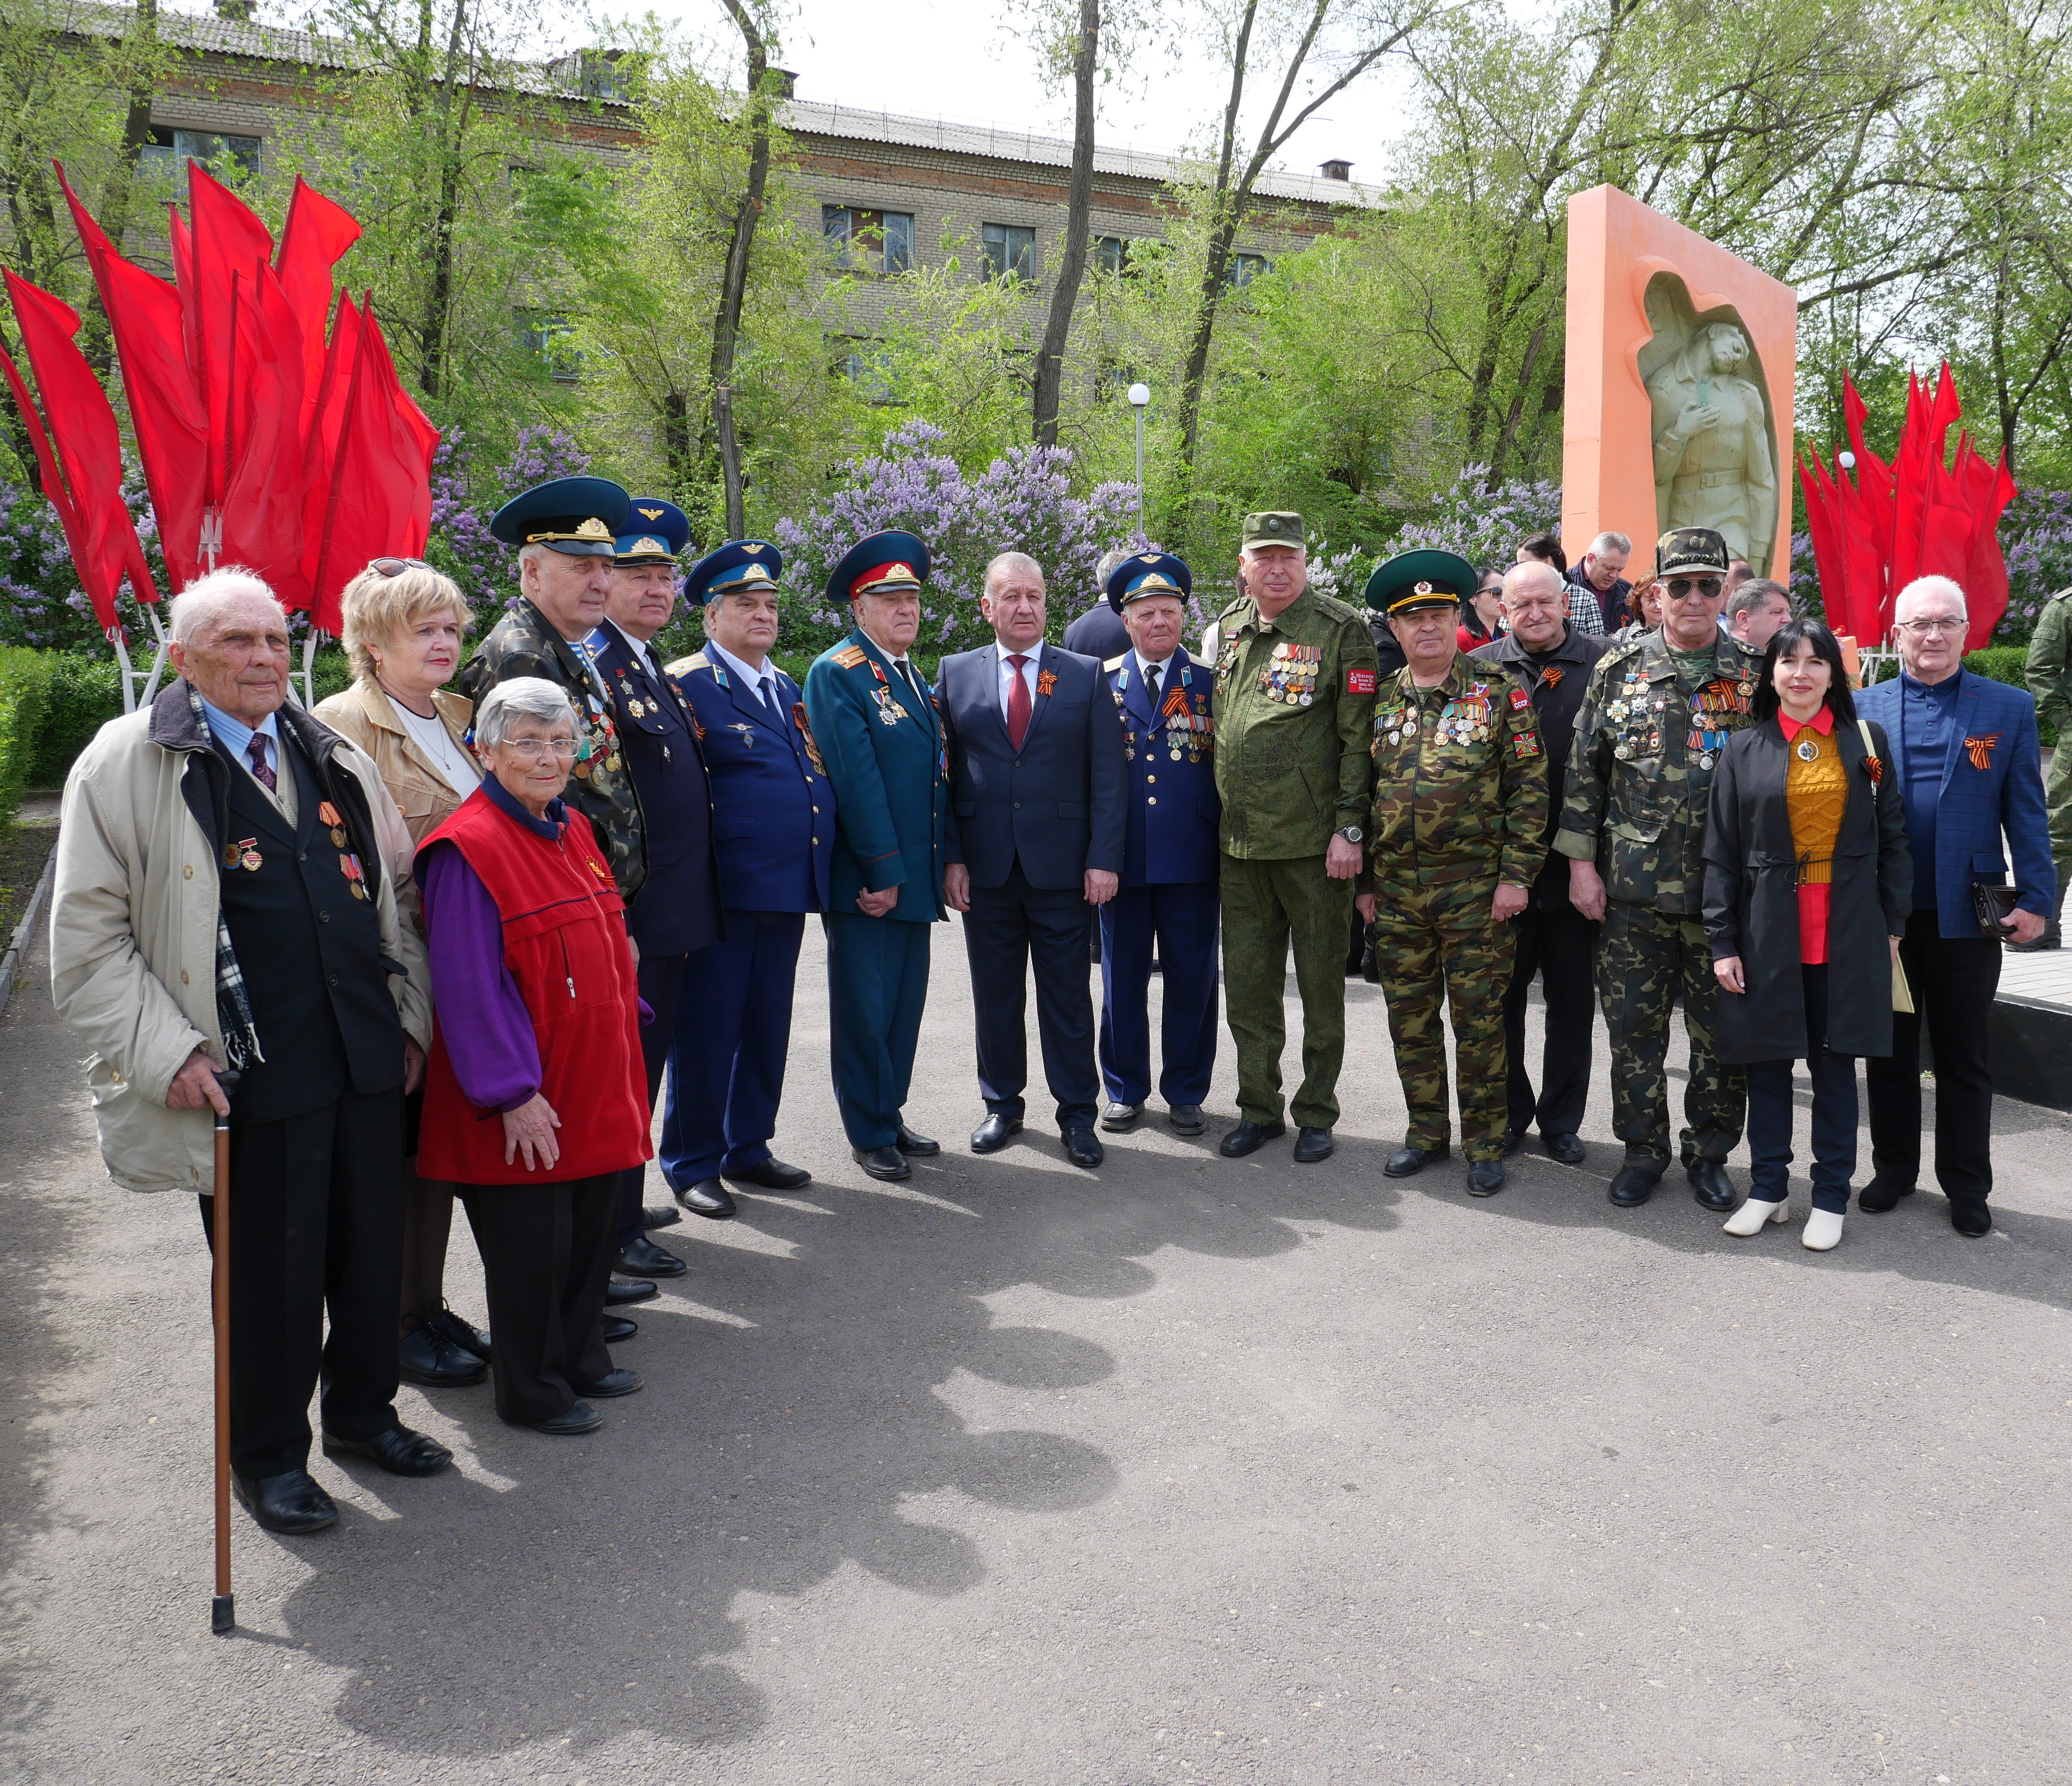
(1993,904)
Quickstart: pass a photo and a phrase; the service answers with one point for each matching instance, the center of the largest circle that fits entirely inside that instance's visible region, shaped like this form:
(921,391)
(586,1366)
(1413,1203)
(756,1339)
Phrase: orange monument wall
(1648,300)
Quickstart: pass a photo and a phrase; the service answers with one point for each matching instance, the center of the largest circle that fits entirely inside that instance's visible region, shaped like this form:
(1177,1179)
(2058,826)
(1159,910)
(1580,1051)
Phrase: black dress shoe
(1970,1218)
(427,1357)
(773,1174)
(918,1145)
(1249,1137)
(660,1215)
(641,1257)
(1634,1186)
(617,1328)
(581,1418)
(1186,1119)
(1121,1116)
(1407,1160)
(1710,1184)
(994,1133)
(1083,1147)
(398,1451)
(461,1332)
(888,1164)
(1312,1144)
(1881,1195)
(1485,1177)
(1513,1140)
(1567,1148)
(621,1291)
(614,1382)
(289,1502)
(708,1198)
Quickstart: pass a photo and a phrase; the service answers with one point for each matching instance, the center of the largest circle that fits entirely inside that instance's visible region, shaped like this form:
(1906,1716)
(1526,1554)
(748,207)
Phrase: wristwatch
(1352,834)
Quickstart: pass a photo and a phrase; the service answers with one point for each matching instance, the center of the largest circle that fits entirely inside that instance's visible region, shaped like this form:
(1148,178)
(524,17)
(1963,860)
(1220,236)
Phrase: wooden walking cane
(223,1609)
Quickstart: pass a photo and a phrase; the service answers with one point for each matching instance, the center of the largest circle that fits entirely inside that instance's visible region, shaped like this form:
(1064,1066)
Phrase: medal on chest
(1289,677)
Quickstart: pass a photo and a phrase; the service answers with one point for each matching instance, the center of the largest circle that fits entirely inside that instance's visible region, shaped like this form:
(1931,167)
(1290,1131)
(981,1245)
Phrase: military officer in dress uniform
(678,916)
(1658,713)
(773,824)
(1460,812)
(1294,699)
(1169,868)
(873,715)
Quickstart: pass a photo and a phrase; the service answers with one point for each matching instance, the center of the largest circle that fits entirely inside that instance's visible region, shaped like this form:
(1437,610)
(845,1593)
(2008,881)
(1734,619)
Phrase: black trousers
(660,978)
(1007,927)
(1954,980)
(1772,1108)
(316,1225)
(1561,947)
(546,1256)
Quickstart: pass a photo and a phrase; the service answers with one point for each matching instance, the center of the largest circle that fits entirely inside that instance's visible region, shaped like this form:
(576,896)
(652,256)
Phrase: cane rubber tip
(223,1615)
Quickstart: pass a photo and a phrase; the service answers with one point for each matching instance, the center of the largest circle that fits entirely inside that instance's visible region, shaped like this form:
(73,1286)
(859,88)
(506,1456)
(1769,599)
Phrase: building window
(1243,269)
(549,337)
(167,150)
(865,365)
(1111,254)
(1010,252)
(869,241)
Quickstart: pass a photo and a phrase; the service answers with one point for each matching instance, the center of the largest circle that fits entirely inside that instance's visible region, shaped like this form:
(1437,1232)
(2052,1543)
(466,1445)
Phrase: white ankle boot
(1750,1217)
(1823,1228)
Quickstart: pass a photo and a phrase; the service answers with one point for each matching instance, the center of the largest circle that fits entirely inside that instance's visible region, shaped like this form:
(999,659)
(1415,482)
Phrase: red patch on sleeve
(1520,700)
(1360,682)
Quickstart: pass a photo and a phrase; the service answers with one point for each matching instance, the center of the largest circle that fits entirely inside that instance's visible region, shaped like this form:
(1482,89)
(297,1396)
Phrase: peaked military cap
(881,562)
(1273,527)
(655,533)
(1421,579)
(1687,549)
(738,564)
(1149,573)
(581,516)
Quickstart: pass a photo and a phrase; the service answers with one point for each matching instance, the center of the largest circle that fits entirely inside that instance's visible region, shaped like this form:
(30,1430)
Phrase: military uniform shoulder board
(1332,608)
(852,657)
(1117,662)
(683,666)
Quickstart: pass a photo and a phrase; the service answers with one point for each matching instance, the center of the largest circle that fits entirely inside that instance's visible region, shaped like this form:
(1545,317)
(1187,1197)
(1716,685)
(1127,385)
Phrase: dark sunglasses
(1681,589)
(395,567)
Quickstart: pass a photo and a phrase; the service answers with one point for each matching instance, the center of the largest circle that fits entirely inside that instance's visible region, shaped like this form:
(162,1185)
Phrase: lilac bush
(463,501)
(1482,525)
(41,603)
(2036,538)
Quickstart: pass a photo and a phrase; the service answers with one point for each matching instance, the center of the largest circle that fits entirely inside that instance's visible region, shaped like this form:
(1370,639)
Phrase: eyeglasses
(1918,627)
(395,567)
(532,748)
(1682,588)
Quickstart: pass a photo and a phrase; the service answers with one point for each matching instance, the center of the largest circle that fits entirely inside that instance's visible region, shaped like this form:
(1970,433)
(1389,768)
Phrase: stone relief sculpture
(1715,464)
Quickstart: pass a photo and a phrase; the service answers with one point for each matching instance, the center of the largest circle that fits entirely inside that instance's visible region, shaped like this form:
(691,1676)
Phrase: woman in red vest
(535,1098)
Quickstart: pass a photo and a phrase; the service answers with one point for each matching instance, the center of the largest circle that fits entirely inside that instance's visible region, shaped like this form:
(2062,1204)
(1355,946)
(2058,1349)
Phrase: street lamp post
(1140,395)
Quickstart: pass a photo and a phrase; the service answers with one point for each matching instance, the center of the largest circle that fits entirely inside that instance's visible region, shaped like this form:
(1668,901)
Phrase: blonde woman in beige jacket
(404,623)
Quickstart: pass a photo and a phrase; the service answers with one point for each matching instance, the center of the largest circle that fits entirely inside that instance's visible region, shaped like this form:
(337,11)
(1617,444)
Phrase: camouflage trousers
(1266,905)
(2057,798)
(1644,957)
(1435,947)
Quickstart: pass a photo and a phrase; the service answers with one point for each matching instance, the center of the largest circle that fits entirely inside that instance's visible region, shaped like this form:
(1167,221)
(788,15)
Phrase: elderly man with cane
(226,898)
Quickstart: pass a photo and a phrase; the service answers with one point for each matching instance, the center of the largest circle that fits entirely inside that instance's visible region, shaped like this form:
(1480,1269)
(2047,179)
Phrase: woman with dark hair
(1483,612)
(1807,889)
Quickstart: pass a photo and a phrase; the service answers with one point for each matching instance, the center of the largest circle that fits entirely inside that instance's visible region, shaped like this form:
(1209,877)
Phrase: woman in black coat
(1807,889)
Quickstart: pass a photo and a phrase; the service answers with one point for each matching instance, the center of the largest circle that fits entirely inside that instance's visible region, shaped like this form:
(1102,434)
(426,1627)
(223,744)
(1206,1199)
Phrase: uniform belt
(1708,480)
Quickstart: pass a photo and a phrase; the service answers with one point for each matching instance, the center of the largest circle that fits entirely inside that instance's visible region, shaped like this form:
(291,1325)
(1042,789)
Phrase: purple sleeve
(481,1013)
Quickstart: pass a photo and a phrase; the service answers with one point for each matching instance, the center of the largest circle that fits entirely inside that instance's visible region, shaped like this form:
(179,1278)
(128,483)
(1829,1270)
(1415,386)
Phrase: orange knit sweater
(1816,789)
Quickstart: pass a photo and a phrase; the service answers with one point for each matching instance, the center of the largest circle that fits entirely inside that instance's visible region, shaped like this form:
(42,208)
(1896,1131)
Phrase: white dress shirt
(1164,667)
(1008,672)
(760,684)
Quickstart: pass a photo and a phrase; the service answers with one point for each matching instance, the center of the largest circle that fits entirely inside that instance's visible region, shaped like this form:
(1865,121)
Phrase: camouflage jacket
(1293,698)
(600,786)
(1641,770)
(1460,781)
(2049,666)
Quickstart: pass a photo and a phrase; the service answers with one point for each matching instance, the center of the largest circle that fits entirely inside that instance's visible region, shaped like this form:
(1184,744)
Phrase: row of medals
(598,743)
(1291,677)
(1194,727)
(1635,702)
(1468,723)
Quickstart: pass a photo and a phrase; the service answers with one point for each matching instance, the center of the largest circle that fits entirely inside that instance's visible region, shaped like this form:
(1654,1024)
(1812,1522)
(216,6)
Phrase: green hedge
(2006,664)
(25,696)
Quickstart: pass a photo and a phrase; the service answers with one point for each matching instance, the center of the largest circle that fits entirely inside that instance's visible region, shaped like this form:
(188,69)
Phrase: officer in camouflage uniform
(2049,672)
(1294,695)
(1460,809)
(1659,711)
(566,534)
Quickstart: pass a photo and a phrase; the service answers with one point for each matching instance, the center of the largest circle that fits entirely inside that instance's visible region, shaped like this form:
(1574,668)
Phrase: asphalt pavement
(1184,1470)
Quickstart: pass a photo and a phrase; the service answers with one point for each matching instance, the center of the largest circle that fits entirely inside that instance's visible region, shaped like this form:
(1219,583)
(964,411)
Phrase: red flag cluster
(273,434)
(1914,517)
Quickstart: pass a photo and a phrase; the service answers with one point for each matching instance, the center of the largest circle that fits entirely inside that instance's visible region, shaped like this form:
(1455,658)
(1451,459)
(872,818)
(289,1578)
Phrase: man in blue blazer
(872,714)
(1966,757)
(774,827)
(1036,831)
(1169,868)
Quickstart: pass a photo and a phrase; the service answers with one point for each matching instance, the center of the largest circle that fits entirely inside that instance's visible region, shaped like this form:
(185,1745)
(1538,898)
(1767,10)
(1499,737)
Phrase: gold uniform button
(1152,801)
(183,976)
(187,873)
(1150,778)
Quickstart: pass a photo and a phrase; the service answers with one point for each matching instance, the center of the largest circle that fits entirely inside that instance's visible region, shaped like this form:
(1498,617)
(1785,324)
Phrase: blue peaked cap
(739,564)
(581,516)
(655,533)
(1149,573)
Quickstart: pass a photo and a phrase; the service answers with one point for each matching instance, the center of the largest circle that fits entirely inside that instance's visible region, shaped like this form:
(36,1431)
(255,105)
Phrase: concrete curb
(18,945)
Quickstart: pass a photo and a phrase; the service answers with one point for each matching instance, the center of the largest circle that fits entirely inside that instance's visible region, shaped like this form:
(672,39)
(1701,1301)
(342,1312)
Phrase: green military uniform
(2049,672)
(1293,696)
(1647,736)
(1460,804)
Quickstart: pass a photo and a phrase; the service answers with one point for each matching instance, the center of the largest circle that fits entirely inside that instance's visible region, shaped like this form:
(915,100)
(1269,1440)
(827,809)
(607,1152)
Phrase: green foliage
(24,694)
(2006,664)
(86,693)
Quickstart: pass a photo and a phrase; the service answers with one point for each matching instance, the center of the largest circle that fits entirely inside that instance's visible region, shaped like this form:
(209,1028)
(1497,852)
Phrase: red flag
(165,411)
(1821,522)
(1985,577)
(82,460)
(316,234)
(230,245)
(266,474)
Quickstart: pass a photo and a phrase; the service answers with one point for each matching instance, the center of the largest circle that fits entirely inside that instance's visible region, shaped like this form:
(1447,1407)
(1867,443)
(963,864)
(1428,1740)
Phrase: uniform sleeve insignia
(1520,701)
(852,657)
(1525,745)
(1360,682)
(1980,750)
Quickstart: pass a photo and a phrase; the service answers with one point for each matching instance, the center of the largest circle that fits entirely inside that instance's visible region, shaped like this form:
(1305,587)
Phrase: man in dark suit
(1966,754)
(1170,867)
(774,825)
(874,717)
(678,911)
(1037,818)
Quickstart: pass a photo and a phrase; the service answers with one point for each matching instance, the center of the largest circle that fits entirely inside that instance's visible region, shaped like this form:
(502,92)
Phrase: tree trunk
(439,298)
(1078,221)
(733,288)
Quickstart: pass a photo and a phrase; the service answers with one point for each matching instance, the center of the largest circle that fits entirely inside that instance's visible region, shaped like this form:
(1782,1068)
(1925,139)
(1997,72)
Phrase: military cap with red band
(880,564)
